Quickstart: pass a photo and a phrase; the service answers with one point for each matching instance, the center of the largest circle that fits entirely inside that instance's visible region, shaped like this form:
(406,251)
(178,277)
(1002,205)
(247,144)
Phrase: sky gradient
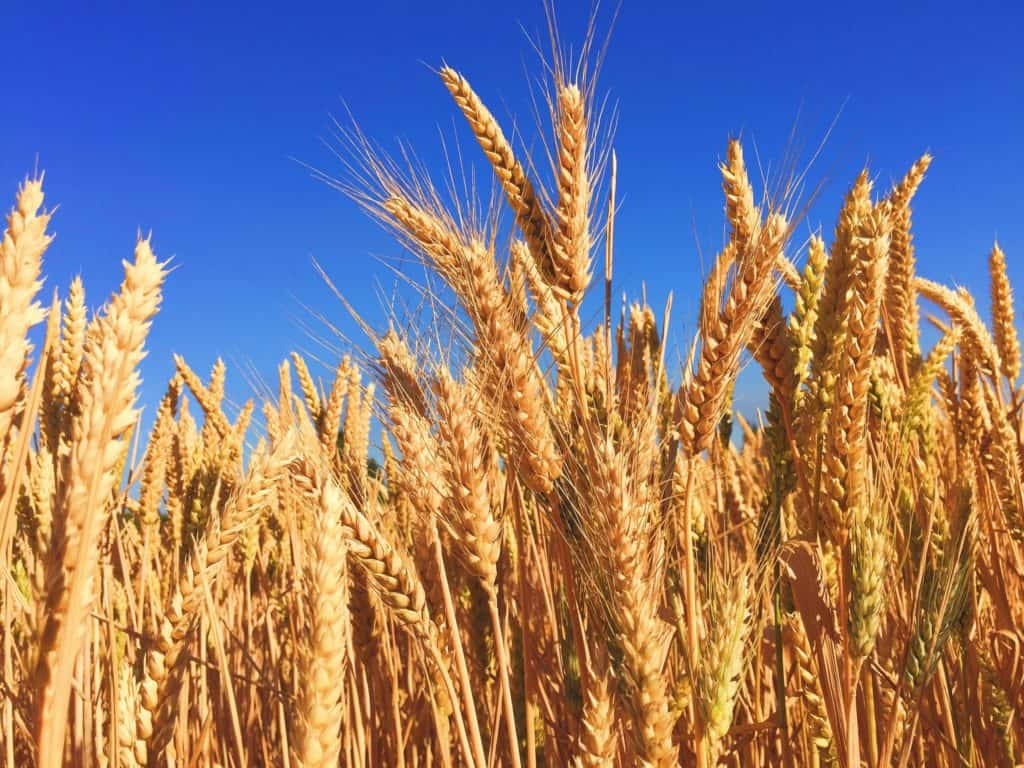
(194,122)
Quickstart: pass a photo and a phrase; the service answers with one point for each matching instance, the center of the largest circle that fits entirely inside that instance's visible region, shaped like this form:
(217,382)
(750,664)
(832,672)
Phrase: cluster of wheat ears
(567,553)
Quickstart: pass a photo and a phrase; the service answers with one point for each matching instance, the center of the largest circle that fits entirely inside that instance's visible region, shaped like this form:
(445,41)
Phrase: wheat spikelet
(974,418)
(642,641)
(43,484)
(549,314)
(726,328)
(1000,454)
(421,469)
(829,332)
(285,413)
(698,508)
(1000,710)
(178,473)
(920,388)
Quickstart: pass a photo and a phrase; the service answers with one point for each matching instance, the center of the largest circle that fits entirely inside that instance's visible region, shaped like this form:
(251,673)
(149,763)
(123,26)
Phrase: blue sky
(186,119)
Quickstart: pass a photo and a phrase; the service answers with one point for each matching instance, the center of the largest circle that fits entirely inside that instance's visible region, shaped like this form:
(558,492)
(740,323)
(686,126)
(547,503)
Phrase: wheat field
(564,548)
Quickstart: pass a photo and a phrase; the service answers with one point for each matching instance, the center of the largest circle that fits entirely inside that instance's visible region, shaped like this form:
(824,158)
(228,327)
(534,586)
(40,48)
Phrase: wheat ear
(66,365)
(845,454)
(107,397)
(530,215)
(571,251)
(21,255)
(320,716)
(467,470)
(719,675)
(597,729)
(1003,325)
(900,305)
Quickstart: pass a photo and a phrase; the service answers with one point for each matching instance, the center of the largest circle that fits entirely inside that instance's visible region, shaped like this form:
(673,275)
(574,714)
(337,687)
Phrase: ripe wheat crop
(564,550)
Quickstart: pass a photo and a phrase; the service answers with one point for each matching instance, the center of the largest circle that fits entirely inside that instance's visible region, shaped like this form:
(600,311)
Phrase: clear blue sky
(184,118)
